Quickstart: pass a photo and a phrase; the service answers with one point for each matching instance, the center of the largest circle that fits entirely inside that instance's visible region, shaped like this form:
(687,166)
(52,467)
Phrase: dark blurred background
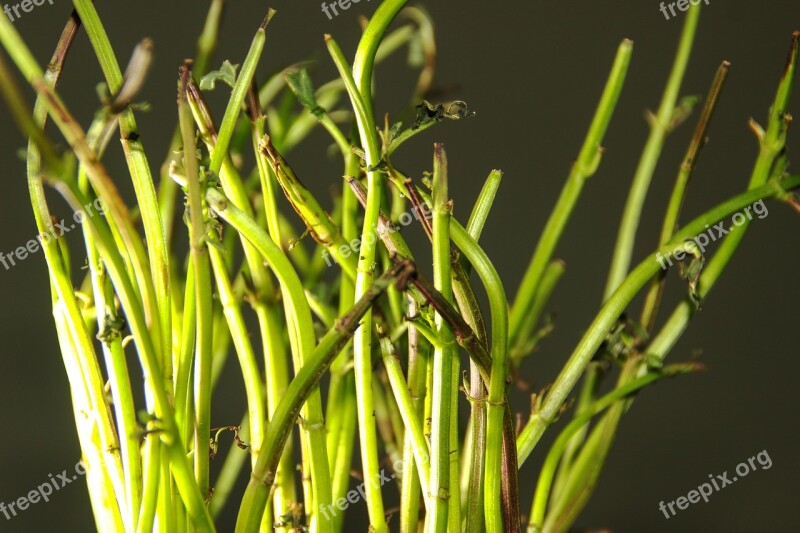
(534,72)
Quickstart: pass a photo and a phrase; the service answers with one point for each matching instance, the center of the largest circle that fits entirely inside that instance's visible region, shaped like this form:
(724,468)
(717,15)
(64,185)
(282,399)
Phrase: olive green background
(534,72)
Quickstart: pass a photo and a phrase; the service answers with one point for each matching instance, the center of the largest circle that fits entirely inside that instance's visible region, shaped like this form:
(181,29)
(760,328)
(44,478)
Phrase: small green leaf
(300,84)
(683,110)
(226,74)
(395,130)
(653,361)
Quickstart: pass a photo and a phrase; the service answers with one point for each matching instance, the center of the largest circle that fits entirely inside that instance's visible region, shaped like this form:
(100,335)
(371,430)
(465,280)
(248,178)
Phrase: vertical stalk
(417,372)
(275,356)
(256,406)
(679,190)
(454,503)
(444,354)
(660,125)
(406,406)
(143,186)
(475,443)
(118,378)
(367,262)
(772,143)
(304,383)
(99,440)
(202,282)
(342,401)
(206,44)
(584,167)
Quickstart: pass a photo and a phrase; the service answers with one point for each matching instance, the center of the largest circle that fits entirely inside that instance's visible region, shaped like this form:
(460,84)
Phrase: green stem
(206,44)
(298,316)
(116,365)
(362,343)
(202,280)
(439,488)
(305,381)
(98,438)
(615,305)
(411,486)
(528,337)
(497,382)
(184,396)
(475,444)
(319,224)
(243,82)
(547,472)
(583,168)
(408,411)
(660,125)
(275,357)
(149,359)
(256,406)
(772,144)
(143,186)
(342,409)
(368,48)
(653,297)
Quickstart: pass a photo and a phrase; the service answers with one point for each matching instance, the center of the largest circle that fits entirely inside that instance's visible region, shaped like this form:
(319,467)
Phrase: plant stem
(439,489)
(362,343)
(772,145)
(497,383)
(202,280)
(206,44)
(653,297)
(615,305)
(275,357)
(256,405)
(97,435)
(660,124)
(243,81)
(475,445)
(583,168)
(116,365)
(559,446)
(417,372)
(143,185)
(527,339)
(300,388)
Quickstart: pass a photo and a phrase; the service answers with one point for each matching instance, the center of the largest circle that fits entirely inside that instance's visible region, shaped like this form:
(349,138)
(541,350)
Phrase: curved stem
(615,305)
(547,472)
(660,125)
(583,168)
